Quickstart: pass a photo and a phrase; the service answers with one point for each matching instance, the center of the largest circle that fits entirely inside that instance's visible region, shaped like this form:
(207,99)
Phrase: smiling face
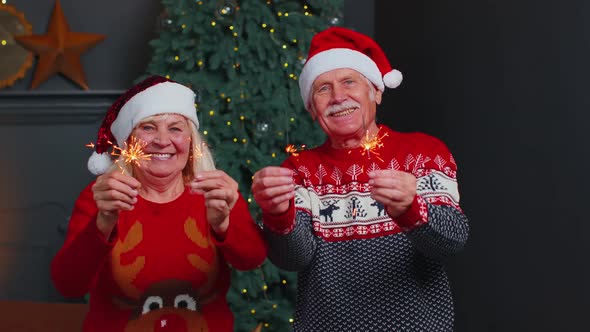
(344,102)
(167,138)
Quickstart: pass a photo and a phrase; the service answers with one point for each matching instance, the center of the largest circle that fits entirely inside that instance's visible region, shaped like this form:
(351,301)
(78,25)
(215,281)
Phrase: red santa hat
(152,96)
(336,48)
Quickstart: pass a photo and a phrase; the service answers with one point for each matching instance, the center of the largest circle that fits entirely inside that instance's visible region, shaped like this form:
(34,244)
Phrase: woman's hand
(113,192)
(221,194)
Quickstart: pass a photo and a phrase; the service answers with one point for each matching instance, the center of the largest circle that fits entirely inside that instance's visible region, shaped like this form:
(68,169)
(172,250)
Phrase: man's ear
(378,95)
(311,112)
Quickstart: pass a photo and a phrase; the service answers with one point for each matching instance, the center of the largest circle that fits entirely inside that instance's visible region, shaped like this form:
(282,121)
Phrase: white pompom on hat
(336,48)
(152,96)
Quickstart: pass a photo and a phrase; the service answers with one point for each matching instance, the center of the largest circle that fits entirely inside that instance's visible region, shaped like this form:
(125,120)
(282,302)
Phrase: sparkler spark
(132,153)
(371,145)
(292,149)
(198,150)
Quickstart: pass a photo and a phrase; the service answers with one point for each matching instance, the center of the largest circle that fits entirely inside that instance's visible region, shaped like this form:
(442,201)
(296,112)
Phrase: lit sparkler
(198,150)
(292,149)
(371,145)
(132,153)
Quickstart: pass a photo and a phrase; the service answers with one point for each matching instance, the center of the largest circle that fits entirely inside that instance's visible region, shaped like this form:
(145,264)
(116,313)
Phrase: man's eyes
(323,88)
(326,88)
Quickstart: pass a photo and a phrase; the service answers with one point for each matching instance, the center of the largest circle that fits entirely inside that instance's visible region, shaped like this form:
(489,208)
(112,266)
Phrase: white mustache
(342,107)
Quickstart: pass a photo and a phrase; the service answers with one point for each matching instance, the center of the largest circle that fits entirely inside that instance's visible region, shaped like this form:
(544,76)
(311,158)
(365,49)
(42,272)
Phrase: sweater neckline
(147,202)
(352,153)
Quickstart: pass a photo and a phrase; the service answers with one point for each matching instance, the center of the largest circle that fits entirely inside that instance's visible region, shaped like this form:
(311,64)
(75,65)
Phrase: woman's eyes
(152,128)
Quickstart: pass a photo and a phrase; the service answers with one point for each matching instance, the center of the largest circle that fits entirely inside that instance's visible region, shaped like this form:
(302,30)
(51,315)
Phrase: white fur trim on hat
(162,98)
(337,58)
(99,163)
(393,79)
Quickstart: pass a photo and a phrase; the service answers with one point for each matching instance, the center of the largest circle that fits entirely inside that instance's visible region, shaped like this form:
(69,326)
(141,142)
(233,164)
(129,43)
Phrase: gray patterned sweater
(359,270)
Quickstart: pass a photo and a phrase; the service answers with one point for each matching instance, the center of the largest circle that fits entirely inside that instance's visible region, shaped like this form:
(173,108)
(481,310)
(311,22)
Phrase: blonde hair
(200,157)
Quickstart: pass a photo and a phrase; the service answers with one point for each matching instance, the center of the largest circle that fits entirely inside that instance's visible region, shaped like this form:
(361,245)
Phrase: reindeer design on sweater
(172,301)
(330,207)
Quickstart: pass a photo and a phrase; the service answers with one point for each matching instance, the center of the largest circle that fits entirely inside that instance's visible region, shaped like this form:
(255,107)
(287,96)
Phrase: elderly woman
(151,240)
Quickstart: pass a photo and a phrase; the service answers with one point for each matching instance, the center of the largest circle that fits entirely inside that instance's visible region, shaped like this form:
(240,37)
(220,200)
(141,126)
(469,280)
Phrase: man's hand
(394,189)
(273,189)
(113,192)
(221,194)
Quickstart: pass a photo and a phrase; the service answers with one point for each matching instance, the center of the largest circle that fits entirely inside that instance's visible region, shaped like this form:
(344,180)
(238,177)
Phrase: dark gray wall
(42,167)
(505,84)
(43,160)
(115,62)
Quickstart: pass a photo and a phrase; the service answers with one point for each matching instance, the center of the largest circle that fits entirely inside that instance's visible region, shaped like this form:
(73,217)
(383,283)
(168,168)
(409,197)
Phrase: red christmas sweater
(162,270)
(358,268)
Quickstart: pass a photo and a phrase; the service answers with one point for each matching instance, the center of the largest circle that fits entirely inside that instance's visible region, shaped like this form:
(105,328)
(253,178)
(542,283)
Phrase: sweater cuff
(281,224)
(110,241)
(416,215)
(219,239)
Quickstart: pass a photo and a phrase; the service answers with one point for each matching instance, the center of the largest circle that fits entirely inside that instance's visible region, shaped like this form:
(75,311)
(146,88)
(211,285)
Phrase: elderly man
(366,218)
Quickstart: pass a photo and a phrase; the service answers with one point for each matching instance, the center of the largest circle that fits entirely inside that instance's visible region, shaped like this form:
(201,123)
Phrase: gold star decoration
(59,50)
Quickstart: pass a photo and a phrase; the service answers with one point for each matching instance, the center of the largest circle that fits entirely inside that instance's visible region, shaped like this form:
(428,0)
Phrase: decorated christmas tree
(242,59)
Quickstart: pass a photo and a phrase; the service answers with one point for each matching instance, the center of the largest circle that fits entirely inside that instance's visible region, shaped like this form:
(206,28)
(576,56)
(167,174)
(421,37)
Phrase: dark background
(503,83)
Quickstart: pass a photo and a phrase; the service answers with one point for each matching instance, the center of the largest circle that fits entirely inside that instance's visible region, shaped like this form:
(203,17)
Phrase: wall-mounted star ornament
(59,50)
